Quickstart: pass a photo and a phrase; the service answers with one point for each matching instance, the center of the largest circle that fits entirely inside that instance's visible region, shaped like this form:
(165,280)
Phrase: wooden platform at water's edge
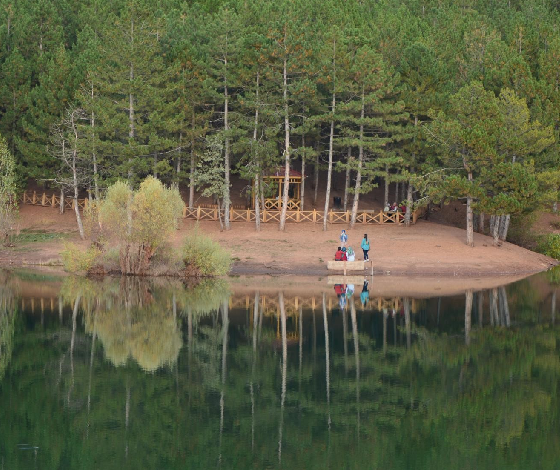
(346,266)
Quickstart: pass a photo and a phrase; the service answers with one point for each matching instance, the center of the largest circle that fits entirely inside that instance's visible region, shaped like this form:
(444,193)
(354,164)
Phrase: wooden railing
(276,204)
(314,216)
(238,214)
(51,200)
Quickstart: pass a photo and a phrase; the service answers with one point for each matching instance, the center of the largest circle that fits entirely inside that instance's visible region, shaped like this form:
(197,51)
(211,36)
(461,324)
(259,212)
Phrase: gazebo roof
(280,172)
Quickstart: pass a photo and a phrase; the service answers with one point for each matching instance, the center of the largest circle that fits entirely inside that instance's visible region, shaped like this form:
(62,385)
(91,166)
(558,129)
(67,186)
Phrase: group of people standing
(345,253)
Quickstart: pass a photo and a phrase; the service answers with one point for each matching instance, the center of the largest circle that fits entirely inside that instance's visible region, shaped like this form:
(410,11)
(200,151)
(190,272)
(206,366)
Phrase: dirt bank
(425,249)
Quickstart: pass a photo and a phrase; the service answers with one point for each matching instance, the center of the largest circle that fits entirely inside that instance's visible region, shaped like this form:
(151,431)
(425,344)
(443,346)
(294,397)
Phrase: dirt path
(423,249)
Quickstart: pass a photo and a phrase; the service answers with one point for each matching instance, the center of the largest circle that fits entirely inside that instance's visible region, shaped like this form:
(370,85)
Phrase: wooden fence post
(34,197)
(248,215)
(347,216)
(264,215)
(44,200)
(53,201)
(297,215)
(198,213)
(314,216)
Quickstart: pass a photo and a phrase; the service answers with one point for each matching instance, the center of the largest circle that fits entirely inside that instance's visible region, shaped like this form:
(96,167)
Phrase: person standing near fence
(365,247)
(343,238)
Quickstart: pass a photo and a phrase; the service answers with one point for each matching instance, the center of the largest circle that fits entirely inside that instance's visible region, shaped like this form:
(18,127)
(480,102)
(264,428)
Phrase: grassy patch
(37,236)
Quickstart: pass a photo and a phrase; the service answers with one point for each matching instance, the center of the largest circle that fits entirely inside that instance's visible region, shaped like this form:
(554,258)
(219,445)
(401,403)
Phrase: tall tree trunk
(470,234)
(331,143)
(386,194)
(226,198)
(256,195)
(178,159)
(193,164)
(397,200)
(481,222)
(358,184)
(347,178)
(286,188)
(316,180)
(93,150)
(504,227)
(408,212)
(496,230)
(329,172)
(75,177)
(131,130)
(302,196)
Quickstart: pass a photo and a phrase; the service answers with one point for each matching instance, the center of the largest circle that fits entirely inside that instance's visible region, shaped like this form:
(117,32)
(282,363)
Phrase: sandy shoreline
(422,250)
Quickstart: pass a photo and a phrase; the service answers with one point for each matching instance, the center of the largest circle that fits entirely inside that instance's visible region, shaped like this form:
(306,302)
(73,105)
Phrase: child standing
(343,238)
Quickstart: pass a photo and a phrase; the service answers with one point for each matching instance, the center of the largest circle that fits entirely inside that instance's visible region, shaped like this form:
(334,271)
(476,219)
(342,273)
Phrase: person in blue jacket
(365,247)
(343,238)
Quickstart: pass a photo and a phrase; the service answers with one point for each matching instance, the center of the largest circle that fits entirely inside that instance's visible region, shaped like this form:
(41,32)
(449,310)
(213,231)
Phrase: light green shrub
(549,245)
(76,260)
(139,221)
(205,257)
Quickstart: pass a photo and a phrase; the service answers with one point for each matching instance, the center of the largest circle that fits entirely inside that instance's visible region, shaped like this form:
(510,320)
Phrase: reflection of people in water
(364,296)
(340,290)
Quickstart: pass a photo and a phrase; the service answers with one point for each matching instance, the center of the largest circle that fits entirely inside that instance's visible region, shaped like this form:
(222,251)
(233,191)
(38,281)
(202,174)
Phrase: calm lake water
(134,374)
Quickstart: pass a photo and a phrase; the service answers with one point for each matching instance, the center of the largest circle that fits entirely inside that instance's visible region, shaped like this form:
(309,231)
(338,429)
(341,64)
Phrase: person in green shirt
(365,247)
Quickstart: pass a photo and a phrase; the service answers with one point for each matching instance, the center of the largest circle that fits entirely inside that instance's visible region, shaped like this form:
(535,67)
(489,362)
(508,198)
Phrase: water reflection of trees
(139,318)
(318,395)
(7,321)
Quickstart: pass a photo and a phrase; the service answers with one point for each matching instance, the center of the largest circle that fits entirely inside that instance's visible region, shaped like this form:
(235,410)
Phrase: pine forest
(452,100)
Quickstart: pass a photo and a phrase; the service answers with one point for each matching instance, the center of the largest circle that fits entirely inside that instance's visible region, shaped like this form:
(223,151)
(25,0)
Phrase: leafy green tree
(139,222)
(8,194)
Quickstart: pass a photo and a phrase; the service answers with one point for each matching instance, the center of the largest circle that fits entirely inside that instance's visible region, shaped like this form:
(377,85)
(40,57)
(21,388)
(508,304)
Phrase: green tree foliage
(8,194)
(139,221)
(280,83)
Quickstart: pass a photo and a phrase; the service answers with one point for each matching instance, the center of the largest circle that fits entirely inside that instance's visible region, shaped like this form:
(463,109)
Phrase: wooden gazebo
(294,190)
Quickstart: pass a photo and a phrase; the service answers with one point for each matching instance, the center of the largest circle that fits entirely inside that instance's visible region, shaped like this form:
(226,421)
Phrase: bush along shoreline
(129,229)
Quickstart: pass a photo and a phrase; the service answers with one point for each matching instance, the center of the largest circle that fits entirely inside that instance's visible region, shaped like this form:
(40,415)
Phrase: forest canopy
(384,90)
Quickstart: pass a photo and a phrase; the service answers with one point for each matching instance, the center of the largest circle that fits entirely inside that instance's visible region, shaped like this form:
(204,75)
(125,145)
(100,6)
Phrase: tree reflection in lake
(272,379)
(7,321)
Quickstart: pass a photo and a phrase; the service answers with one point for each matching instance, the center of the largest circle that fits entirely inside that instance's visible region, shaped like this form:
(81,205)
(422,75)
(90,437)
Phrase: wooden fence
(314,216)
(238,214)
(51,200)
